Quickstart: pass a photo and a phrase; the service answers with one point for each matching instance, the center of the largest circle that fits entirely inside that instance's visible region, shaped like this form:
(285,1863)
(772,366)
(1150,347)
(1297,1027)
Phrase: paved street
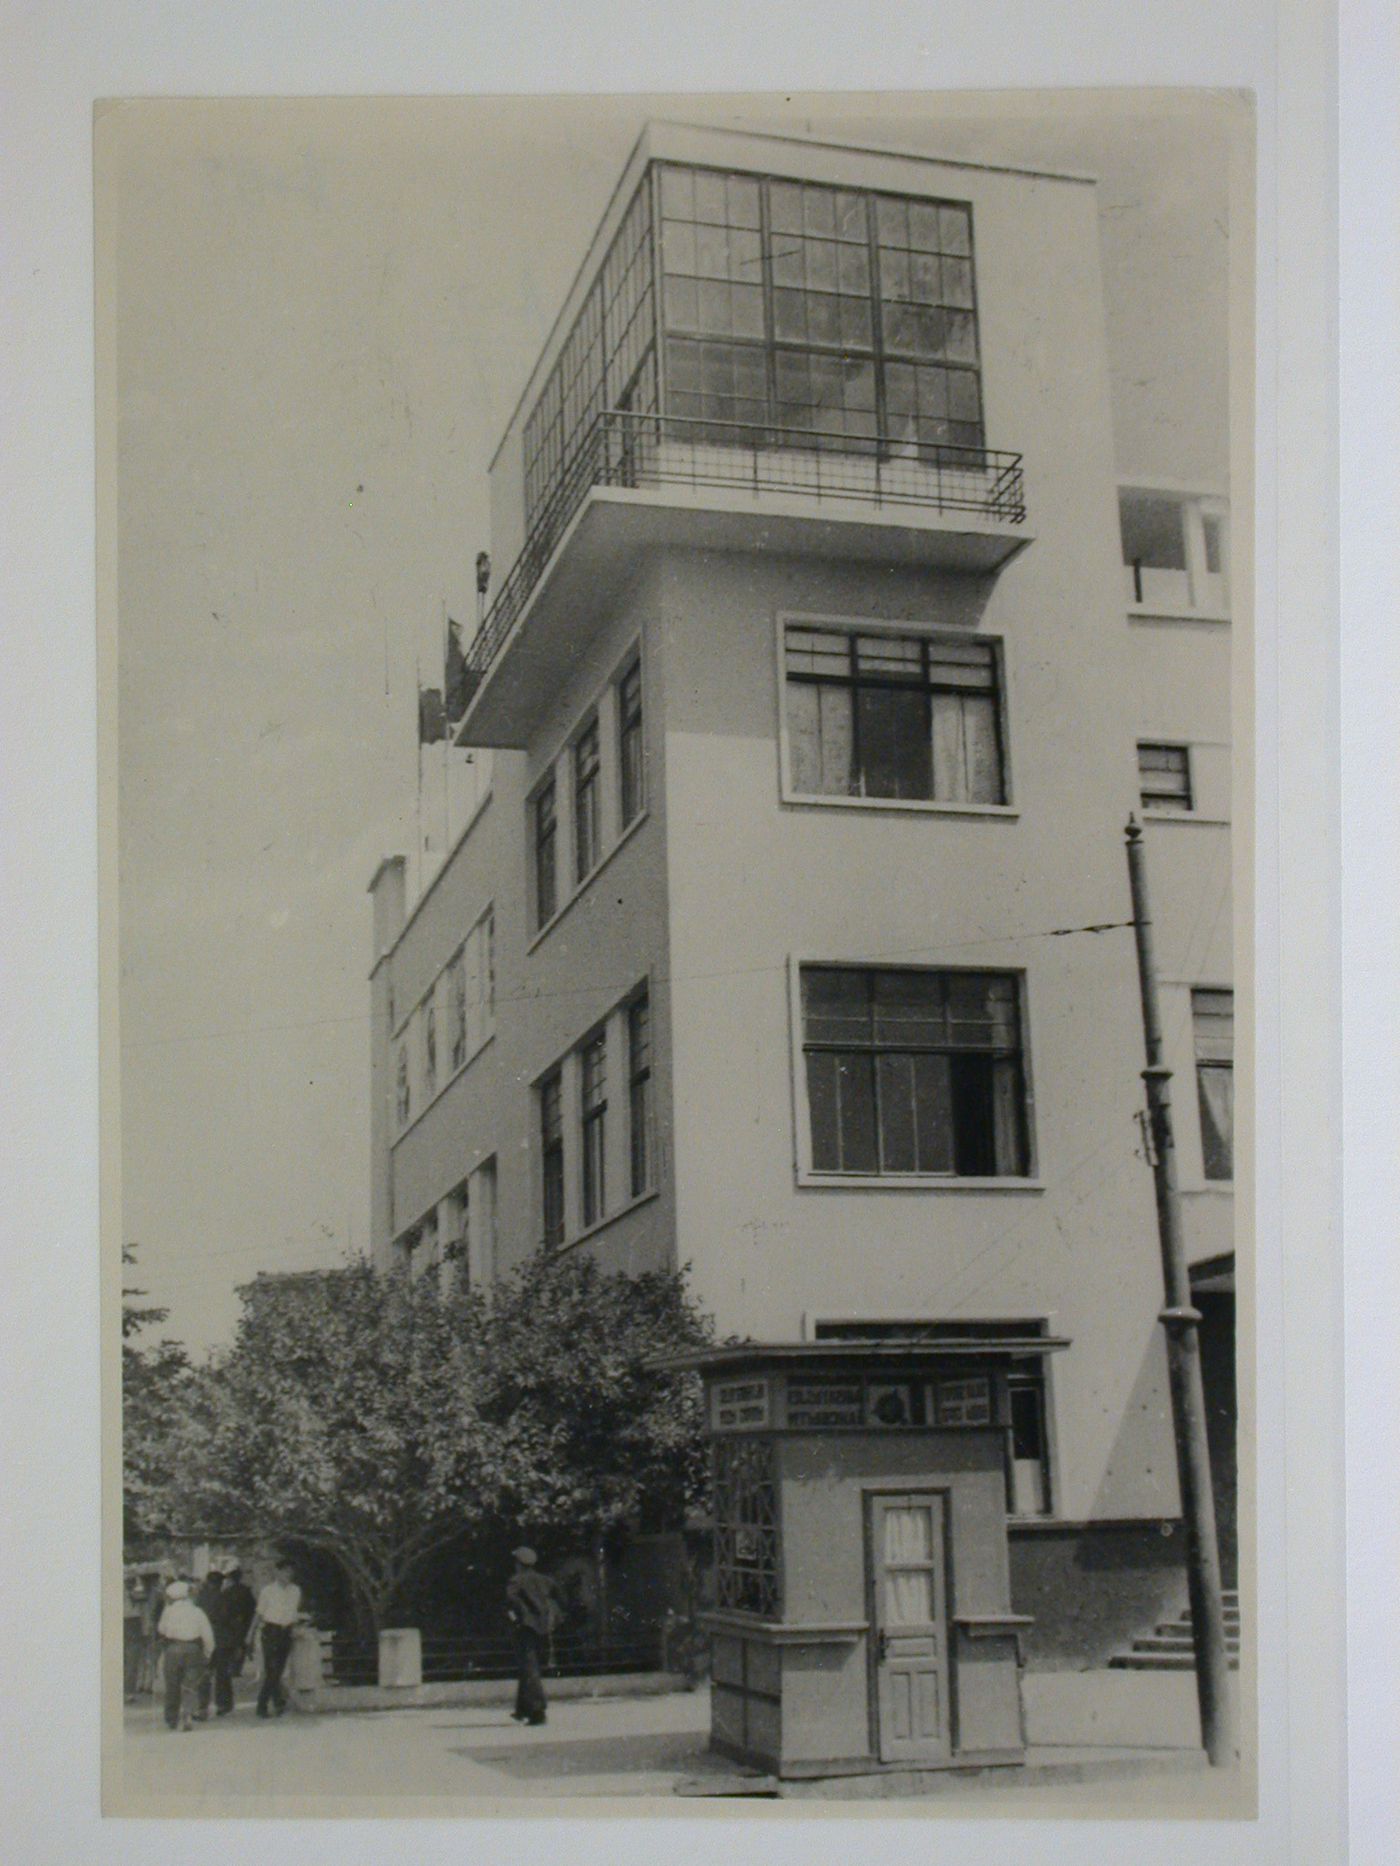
(619,1746)
(638,1748)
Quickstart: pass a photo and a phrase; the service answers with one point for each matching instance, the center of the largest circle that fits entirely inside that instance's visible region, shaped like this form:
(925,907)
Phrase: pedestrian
(189,1642)
(133,1594)
(533,1610)
(279,1605)
(207,1600)
(231,1621)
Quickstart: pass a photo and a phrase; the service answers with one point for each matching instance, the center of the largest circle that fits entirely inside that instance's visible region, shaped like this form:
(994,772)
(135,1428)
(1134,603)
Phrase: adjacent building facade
(786,938)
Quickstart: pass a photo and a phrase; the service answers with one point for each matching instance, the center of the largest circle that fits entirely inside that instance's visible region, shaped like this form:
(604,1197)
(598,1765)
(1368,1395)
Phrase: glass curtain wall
(792,314)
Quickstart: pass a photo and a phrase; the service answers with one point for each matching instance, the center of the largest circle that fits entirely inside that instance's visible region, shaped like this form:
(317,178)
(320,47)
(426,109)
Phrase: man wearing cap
(189,1643)
(533,1610)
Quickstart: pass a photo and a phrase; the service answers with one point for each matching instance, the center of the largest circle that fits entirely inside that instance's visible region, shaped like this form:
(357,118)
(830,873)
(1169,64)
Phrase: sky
(324,314)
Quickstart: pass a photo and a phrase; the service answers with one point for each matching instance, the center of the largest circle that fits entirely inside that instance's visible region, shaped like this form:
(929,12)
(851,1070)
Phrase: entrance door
(910,1624)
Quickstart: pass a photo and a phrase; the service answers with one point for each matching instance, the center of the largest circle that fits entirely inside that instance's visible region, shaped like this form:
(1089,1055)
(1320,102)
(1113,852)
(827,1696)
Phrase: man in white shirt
(189,1644)
(279,1609)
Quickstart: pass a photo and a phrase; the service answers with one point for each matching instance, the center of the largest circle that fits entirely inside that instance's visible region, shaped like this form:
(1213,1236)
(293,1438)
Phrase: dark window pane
(895,751)
(894,273)
(909,1008)
(1027,1428)
(974,1127)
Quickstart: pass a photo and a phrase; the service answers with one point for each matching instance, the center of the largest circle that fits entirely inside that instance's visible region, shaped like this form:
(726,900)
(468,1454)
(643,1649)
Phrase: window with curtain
(901,716)
(914,1072)
(586,787)
(593,1111)
(546,826)
(629,745)
(1213,1024)
(639,1094)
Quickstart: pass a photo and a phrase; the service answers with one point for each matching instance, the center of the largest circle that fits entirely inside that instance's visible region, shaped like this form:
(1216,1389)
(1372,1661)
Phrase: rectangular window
(552,1158)
(639,1096)
(908,717)
(1213,1022)
(586,767)
(457,1003)
(747,1569)
(593,1110)
(632,793)
(914,1072)
(1164,772)
(546,840)
(403,1087)
(427,1012)
(1028,1447)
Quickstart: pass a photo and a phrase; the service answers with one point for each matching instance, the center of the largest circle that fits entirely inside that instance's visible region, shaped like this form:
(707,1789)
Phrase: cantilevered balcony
(643,480)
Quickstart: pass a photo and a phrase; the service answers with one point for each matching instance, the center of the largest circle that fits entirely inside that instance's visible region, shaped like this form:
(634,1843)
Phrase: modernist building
(786,936)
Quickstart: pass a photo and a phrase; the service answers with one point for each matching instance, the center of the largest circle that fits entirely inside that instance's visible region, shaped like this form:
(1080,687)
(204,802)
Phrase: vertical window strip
(586,777)
(640,1094)
(593,1108)
(546,836)
(632,790)
(1213,1026)
(552,1158)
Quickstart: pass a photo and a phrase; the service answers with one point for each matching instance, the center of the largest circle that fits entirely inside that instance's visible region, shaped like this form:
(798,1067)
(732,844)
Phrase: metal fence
(621,448)
(449,1659)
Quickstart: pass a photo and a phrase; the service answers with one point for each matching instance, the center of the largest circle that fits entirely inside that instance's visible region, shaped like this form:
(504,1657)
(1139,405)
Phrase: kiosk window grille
(746,1527)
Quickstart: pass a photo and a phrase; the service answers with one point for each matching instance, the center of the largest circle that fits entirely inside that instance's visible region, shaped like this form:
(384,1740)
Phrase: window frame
(1161,805)
(808,1174)
(631,730)
(641,1092)
(895,629)
(545,909)
(593,1129)
(586,825)
(553,1182)
(1209,1065)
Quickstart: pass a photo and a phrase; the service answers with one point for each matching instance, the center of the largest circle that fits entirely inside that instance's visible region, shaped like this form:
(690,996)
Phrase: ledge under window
(917,806)
(914,1182)
(610,1218)
(442,1089)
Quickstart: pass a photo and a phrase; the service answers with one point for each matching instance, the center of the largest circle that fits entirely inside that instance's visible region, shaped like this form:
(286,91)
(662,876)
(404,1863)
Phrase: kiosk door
(910,1624)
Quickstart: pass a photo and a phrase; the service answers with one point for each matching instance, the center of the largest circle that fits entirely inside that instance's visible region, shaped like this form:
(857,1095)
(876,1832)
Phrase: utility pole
(1181,1319)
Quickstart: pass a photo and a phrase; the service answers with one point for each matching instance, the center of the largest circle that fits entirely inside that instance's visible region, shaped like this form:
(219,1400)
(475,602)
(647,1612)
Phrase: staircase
(1168,1647)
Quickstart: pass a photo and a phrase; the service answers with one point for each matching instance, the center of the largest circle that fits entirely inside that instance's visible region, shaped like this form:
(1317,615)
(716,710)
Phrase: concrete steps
(1169,1648)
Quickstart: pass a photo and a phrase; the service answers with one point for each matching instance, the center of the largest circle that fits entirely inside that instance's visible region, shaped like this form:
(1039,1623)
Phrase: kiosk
(862,1617)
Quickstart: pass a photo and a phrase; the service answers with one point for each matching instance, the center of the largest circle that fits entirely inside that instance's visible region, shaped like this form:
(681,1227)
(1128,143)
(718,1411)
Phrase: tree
(157,1388)
(344,1418)
(594,1435)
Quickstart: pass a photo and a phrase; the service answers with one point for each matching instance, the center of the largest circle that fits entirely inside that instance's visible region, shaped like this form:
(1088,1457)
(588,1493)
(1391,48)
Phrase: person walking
(234,1617)
(189,1642)
(133,1593)
(533,1610)
(207,1600)
(279,1604)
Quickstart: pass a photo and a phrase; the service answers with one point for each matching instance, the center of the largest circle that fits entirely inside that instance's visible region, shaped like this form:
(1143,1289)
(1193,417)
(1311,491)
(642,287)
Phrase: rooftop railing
(621,448)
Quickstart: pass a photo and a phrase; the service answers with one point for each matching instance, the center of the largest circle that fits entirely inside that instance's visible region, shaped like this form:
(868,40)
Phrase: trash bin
(401,1657)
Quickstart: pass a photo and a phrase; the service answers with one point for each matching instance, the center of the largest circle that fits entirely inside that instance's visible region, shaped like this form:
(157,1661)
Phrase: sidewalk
(442,1758)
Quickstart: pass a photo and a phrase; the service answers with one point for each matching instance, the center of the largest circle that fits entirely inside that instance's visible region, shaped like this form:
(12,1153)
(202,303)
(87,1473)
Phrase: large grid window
(1213,1023)
(608,359)
(639,1094)
(593,1113)
(546,843)
(587,786)
(835,313)
(747,1578)
(893,716)
(552,1158)
(914,1072)
(630,750)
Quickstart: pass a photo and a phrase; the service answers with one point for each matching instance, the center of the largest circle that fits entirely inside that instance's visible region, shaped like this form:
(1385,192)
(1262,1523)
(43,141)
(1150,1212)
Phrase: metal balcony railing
(620,448)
